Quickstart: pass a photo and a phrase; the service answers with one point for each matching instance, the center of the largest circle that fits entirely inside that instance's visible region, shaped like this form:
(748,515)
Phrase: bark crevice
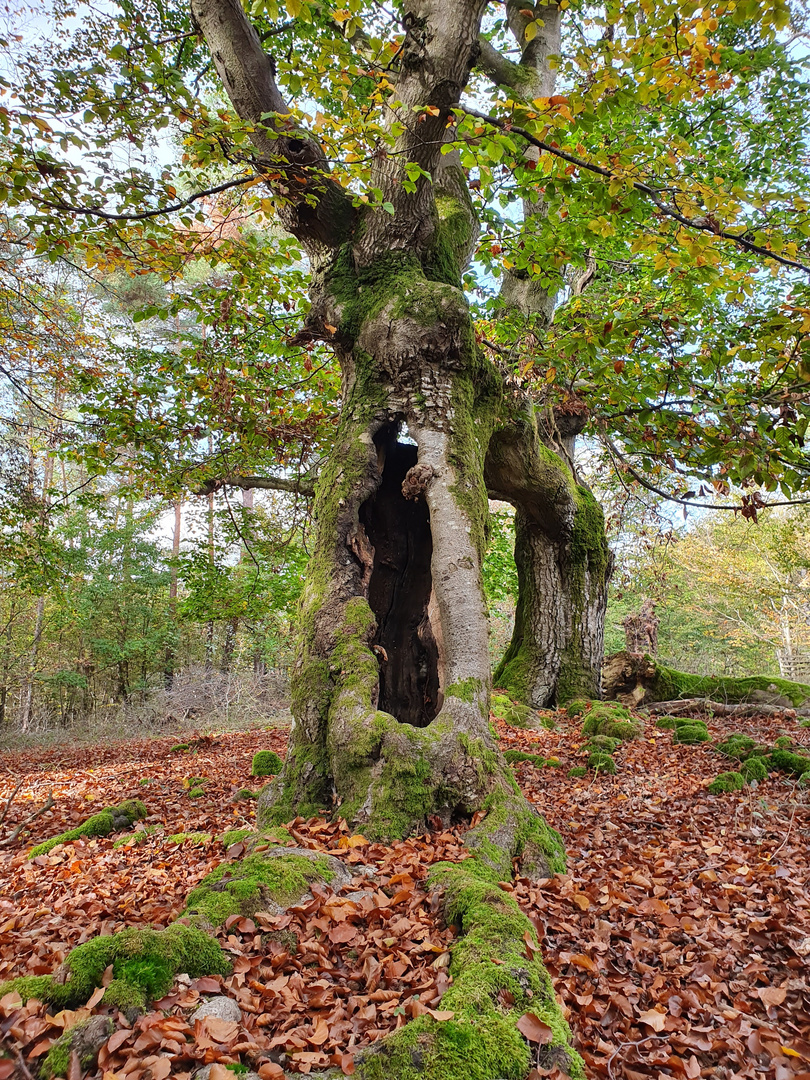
(397,529)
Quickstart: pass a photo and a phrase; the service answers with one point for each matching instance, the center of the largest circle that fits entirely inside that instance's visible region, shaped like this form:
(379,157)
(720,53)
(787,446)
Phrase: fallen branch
(49,802)
(719,708)
(10,801)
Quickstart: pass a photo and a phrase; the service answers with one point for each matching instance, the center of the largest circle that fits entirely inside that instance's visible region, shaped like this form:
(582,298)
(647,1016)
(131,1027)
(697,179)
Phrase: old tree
(439,175)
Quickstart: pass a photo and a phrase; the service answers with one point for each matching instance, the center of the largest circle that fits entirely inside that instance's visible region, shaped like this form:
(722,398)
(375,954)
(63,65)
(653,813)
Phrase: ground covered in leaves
(679,940)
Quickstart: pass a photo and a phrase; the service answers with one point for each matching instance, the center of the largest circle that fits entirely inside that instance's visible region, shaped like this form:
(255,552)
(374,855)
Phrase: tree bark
(391,682)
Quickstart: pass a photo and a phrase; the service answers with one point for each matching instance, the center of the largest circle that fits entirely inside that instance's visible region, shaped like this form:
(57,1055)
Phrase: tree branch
(49,802)
(501,70)
(313,207)
(105,215)
(702,224)
(304,486)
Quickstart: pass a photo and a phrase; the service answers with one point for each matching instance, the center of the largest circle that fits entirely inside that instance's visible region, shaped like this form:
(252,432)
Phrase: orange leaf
(533,1028)
(653,1018)
(771,995)
(352,841)
(583,961)
(218,1072)
(318,1036)
(581,900)
(271,1071)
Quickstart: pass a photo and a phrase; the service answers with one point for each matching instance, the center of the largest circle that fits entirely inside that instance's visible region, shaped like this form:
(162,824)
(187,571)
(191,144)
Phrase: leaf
(271,1071)
(530,33)
(585,962)
(770,996)
(352,841)
(533,1028)
(75,1071)
(653,1018)
(218,1072)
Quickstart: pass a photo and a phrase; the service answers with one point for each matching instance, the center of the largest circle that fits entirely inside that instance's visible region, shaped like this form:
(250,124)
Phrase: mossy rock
(577,771)
(611,719)
(601,762)
(788,762)
(754,768)
(86,1039)
(666,723)
(691,734)
(144,963)
(268,880)
(511,712)
(603,742)
(726,781)
(577,708)
(266,763)
(178,748)
(737,745)
(784,742)
(111,819)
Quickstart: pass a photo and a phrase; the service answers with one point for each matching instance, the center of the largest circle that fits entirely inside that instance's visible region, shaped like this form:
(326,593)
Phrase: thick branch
(317,211)
(702,224)
(500,69)
(304,486)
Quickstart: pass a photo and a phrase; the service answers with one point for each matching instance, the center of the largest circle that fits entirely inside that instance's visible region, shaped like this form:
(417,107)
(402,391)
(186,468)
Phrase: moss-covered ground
(647,848)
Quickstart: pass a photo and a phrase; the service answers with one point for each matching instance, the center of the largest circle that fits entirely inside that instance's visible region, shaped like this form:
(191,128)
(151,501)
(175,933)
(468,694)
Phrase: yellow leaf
(293,8)
(790,1052)
(352,841)
(530,33)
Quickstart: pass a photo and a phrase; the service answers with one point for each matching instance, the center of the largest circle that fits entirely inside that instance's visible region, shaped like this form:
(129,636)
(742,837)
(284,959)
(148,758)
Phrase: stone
(223,1008)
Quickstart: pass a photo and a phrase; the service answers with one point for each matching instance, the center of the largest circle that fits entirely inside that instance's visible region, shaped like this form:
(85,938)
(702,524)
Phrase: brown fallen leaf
(533,1028)
(771,995)
(653,1018)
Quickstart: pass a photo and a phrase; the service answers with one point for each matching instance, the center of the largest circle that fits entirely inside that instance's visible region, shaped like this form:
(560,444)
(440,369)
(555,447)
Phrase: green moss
(611,719)
(196,793)
(244,794)
(197,838)
(671,684)
(144,964)
(139,837)
(601,762)
(532,836)
(245,887)
(784,742)
(577,771)
(578,708)
(726,781)
(511,712)
(465,689)
(103,823)
(666,723)
(57,1060)
(195,781)
(754,769)
(737,746)
(178,748)
(493,984)
(236,836)
(691,734)
(266,763)
(28,986)
(515,756)
(603,742)
(788,762)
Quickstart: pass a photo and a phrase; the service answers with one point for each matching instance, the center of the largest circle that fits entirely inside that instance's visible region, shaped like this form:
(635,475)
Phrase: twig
(49,802)
(10,801)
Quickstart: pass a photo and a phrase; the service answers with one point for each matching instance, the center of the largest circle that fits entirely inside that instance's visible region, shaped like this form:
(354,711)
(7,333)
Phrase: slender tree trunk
(171,648)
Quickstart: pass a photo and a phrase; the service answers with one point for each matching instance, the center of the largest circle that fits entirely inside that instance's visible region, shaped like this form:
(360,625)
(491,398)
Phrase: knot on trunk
(416,480)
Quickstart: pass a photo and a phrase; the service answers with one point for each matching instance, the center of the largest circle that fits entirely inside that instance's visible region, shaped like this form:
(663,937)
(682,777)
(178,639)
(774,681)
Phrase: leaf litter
(678,941)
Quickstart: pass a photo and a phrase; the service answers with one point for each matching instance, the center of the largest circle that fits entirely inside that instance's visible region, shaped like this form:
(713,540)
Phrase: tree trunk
(391,682)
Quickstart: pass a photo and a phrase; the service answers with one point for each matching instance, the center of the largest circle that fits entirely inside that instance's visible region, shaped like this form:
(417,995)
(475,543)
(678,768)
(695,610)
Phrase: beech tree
(641,162)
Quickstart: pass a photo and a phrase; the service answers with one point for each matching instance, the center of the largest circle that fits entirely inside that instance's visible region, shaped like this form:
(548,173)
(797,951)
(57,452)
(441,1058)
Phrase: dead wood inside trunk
(398,530)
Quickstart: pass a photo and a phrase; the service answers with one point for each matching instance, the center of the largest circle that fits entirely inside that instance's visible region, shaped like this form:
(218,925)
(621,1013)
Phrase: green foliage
(726,781)
(266,763)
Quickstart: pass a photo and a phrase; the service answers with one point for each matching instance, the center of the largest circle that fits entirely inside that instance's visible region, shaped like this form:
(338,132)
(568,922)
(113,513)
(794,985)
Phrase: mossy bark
(641,680)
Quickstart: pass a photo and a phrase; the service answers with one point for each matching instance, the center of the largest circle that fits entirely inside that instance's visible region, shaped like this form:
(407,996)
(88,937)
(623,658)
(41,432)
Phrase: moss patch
(578,771)
(611,719)
(601,762)
(111,819)
(726,781)
(252,884)
(266,763)
(788,762)
(691,733)
(671,684)
(737,746)
(516,756)
(511,712)
(754,769)
(144,964)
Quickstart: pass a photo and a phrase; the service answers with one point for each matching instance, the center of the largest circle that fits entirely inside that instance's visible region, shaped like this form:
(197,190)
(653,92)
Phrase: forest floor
(678,941)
